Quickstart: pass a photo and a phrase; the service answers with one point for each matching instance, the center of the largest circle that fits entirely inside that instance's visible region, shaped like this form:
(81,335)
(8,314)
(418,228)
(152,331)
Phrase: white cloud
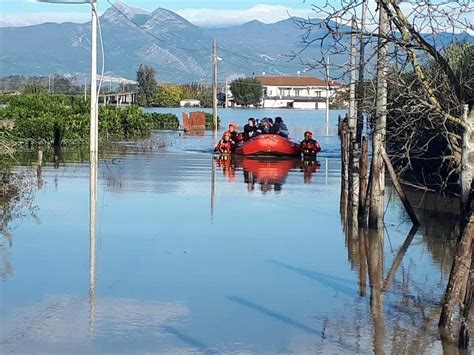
(263,13)
(27,19)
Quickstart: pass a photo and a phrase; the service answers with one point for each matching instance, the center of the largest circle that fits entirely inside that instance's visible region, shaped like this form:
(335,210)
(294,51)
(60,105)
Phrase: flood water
(196,254)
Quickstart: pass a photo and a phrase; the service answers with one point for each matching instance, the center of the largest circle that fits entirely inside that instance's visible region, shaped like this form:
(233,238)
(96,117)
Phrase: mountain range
(178,50)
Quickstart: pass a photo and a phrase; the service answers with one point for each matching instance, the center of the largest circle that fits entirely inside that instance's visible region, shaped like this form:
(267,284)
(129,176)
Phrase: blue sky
(201,12)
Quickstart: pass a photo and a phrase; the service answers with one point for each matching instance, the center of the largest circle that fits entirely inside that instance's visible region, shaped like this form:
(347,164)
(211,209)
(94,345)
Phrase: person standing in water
(309,146)
(226,145)
(235,136)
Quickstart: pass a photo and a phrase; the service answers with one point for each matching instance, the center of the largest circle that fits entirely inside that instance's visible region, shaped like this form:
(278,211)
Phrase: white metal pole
(214,84)
(226,95)
(93,127)
(327,96)
(93,167)
(94,109)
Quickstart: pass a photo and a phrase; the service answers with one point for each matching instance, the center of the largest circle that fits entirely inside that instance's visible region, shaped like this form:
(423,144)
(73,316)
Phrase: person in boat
(280,127)
(250,129)
(226,145)
(309,146)
(265,126)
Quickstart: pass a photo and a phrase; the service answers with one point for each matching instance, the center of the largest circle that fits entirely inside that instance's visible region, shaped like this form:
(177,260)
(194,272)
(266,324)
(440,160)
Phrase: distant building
(190,103)
(305,92)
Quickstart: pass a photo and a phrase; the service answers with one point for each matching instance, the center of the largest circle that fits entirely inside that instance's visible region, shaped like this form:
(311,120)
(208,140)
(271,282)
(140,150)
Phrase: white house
(306,92)
(190,103)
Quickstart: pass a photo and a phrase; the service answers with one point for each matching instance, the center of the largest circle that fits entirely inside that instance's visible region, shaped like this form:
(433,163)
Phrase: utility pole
(94,137)
(225,91)
(352,87)
(377,172)
(214,83)
(361,86)
(93,108)
(327,96)
(49,83)
(85,89)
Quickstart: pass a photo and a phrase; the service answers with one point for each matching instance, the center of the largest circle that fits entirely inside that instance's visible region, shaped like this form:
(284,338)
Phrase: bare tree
(429,78)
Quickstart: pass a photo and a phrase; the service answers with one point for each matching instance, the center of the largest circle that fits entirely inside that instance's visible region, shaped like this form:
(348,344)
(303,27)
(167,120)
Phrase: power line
(199,49)
(151,34)
(258,60)
(204,50)
(239,65)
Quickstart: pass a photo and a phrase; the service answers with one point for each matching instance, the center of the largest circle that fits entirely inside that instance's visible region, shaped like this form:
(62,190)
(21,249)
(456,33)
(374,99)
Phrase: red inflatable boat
(269,144)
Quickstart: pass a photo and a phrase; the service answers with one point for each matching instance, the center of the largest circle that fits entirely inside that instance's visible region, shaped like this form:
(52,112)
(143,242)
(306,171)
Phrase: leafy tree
(246,91)
(146,85)
(62,85)
(205,97)
(460,56)
(168,95)
(34,88)
(192,90)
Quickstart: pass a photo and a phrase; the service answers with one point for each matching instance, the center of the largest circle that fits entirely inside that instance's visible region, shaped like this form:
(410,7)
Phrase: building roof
(295,81)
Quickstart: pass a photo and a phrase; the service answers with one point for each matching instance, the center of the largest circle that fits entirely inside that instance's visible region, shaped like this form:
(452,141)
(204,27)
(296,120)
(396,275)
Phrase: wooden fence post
(363,182)
(354,188)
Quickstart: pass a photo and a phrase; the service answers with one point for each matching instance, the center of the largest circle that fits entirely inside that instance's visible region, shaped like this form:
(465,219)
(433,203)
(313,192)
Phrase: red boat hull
(269,144)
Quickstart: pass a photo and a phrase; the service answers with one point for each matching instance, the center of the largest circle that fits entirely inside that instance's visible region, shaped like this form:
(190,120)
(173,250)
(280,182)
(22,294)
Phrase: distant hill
(177,49)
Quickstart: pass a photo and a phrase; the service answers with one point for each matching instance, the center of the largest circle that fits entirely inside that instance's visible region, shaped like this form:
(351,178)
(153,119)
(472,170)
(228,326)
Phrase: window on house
(317,93)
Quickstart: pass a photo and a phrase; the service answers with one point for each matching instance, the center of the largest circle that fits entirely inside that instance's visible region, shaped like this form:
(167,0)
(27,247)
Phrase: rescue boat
(269,144)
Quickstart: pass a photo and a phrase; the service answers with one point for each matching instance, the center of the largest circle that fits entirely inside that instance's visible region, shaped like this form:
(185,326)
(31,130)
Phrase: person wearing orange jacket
(309,146)
(235,136)
(226,145)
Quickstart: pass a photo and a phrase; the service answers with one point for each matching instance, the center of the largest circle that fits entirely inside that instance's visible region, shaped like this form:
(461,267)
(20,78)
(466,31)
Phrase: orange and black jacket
(310,146)
(224,147)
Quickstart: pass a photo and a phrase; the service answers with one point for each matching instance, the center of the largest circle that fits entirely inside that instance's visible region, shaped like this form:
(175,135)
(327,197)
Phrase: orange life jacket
(310,147)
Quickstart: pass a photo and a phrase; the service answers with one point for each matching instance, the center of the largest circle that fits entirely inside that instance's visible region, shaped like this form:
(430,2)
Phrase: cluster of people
(231,138)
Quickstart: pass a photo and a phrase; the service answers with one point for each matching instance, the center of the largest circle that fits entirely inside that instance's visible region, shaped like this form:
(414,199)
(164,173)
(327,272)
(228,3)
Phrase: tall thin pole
(352,87)
(225,91)
(327,96)
(85,89)
(93,109)
(49,83)
(377,170)
(214,83)
(93,168)
(360,86)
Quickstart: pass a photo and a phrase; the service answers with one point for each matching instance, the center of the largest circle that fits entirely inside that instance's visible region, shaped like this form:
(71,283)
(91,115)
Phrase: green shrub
(210,121)
(40,118)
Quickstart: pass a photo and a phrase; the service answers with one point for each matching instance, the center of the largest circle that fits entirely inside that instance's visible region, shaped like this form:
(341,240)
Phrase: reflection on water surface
(198,254)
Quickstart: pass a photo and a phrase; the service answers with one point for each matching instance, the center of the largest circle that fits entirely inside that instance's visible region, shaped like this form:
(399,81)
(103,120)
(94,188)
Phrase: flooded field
(197,254)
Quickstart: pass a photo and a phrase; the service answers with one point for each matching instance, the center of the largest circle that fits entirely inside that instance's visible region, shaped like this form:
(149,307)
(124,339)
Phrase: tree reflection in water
(16,203)
(403,312)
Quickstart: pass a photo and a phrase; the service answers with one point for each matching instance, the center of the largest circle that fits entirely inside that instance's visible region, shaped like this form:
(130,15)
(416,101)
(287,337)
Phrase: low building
(305,92)
(190,103)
